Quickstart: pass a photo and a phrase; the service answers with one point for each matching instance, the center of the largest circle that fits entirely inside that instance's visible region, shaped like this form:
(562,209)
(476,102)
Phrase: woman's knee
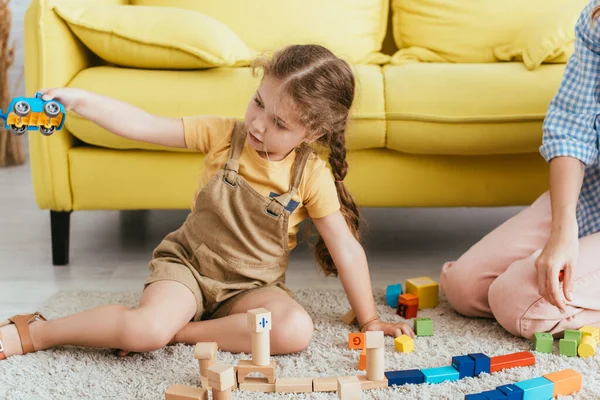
(465,291)
(503,298)
(143,331)
(292,331)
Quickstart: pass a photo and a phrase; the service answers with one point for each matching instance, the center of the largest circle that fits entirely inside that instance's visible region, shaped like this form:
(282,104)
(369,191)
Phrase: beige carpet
(75,373)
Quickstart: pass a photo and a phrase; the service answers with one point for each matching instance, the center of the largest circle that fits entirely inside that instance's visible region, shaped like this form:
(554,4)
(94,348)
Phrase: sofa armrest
(53,56)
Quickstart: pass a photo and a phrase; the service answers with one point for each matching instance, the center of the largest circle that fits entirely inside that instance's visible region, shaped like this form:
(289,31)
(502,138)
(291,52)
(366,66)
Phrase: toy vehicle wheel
(18,130)
(47,131)
(22,108)
(51,109)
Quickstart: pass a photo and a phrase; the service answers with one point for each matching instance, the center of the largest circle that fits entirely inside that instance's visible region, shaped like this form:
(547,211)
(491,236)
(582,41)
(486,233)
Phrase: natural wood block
(222,394)
(376,364)
(374,340)
(183,392)
(349,318)
(204,382)
(325,384)
(366,384)
(246,367)
(221,377)
(205,350)
(261,348)
(259,320)
(349,388)
(294,385)
(356,341)
(257,385)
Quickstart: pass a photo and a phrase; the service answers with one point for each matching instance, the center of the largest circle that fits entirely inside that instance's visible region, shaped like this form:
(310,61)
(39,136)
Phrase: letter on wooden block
(356,341)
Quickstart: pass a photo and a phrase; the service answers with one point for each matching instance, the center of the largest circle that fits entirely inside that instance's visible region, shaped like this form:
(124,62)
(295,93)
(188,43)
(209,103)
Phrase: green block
(423,326)
(568,347)
(543,342)
(575,335)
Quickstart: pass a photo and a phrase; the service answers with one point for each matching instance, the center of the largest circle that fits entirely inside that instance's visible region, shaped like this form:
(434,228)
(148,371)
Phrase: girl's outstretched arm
(119,117)
(351,262)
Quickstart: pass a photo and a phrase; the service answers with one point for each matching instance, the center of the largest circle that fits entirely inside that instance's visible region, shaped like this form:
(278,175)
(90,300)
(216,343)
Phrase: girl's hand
(68,97)
(559,254)
(394,330)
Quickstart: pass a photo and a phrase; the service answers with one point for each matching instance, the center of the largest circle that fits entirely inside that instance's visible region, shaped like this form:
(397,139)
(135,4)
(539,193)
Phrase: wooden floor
(110,250)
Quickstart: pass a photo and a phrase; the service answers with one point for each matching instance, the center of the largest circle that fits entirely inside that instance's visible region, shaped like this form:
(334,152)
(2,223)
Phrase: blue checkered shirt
(570,124)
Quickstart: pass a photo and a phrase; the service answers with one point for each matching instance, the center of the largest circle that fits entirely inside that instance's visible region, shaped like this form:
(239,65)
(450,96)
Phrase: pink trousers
(496,277)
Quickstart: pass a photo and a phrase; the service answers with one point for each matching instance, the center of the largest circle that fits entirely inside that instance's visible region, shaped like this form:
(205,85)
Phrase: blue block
(494,395)
(512,392)
(440,374)
(475,396)
(391,295)
(482,363)
(465,366)
(537,388)
(404,377)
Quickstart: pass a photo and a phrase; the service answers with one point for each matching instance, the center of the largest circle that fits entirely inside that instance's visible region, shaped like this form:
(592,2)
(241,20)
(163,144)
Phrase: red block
(407,311)
(521,359)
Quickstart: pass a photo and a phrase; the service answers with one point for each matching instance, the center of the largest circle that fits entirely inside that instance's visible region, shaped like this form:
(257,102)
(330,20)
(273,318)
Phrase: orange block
(356,341)
(521,359)
(362,362)
(408,299)
(566,382)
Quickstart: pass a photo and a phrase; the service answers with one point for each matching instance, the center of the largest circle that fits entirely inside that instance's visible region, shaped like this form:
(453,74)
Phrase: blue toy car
(31,113)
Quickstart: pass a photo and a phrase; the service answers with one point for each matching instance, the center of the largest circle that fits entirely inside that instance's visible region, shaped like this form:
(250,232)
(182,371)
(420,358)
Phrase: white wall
(15,72)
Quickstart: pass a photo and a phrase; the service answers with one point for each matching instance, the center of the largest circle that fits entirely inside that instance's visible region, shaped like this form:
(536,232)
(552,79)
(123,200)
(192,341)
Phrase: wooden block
(440,374)
(423,326)
(204,382)
(404,344)
(374,340)
(183,392)
(222,394)
(221,377)
(587,347)
(543,342)
(259,320)
(246,367)
(366,384)
(591,331)
(261,348)
(257,385)
(408,306)
(375,364)
(573,334)
(408,299)
(426,289)
(293,385)
(349,318)
(392,294)
(520,359)
(349,388)
(205,350)
(362,361)
(325,384)
(567,347)
(566,382)
(356,341)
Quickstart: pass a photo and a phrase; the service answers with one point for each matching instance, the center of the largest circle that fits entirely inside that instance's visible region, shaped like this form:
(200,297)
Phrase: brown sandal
(22,323)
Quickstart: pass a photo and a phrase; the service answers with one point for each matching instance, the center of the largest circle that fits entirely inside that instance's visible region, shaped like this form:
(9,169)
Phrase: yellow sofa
(424,133)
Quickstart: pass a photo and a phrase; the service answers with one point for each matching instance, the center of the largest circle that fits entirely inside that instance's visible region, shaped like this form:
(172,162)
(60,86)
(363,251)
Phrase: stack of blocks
(422,292)
(582,342)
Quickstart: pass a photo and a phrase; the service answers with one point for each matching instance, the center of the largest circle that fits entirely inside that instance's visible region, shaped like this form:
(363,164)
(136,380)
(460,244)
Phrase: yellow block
(426,289)
(587,347)
(404,344)
(592,331)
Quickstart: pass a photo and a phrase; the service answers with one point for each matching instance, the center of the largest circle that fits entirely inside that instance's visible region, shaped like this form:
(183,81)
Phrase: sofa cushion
(218,91)
(352,29)
(467,109)
(155,37)
(462,31)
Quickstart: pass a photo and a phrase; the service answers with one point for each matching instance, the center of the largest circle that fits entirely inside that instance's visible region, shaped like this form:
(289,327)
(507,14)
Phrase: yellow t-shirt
(316,197)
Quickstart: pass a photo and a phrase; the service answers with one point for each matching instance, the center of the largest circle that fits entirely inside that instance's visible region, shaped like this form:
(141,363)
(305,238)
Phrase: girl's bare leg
(165,307)
(292,326)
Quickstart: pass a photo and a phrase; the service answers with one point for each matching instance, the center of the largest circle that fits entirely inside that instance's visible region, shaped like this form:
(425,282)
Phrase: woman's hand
(70,98)
(560,254)
(395,330)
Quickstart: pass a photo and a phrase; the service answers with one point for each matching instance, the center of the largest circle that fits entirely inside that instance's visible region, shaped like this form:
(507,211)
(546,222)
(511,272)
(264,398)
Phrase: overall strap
(303,153)
(238,138)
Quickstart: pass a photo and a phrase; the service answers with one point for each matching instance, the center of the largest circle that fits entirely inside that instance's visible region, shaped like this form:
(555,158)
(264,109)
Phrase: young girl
(514,273)
(261,179)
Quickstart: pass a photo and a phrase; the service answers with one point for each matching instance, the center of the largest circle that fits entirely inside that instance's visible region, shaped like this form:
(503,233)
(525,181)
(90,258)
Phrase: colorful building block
(475,396)
(543,342)
(520,359)
(392,293)
(356,341)
(399,378)
(494,395)
(511,392)
(536,389)
(567,347)
(591,331)
(362,360)
(440,374)
(408,305)
(573,334)
(587,347)
(426,289)
(465,366)
(566,382)
(423,326)
(482,363)
(404,344)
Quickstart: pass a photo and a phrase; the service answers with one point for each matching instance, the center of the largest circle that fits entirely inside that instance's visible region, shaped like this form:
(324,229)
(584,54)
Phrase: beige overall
(233,242)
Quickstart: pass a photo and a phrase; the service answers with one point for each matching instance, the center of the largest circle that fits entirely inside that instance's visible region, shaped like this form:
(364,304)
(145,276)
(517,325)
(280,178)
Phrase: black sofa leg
(60,222)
